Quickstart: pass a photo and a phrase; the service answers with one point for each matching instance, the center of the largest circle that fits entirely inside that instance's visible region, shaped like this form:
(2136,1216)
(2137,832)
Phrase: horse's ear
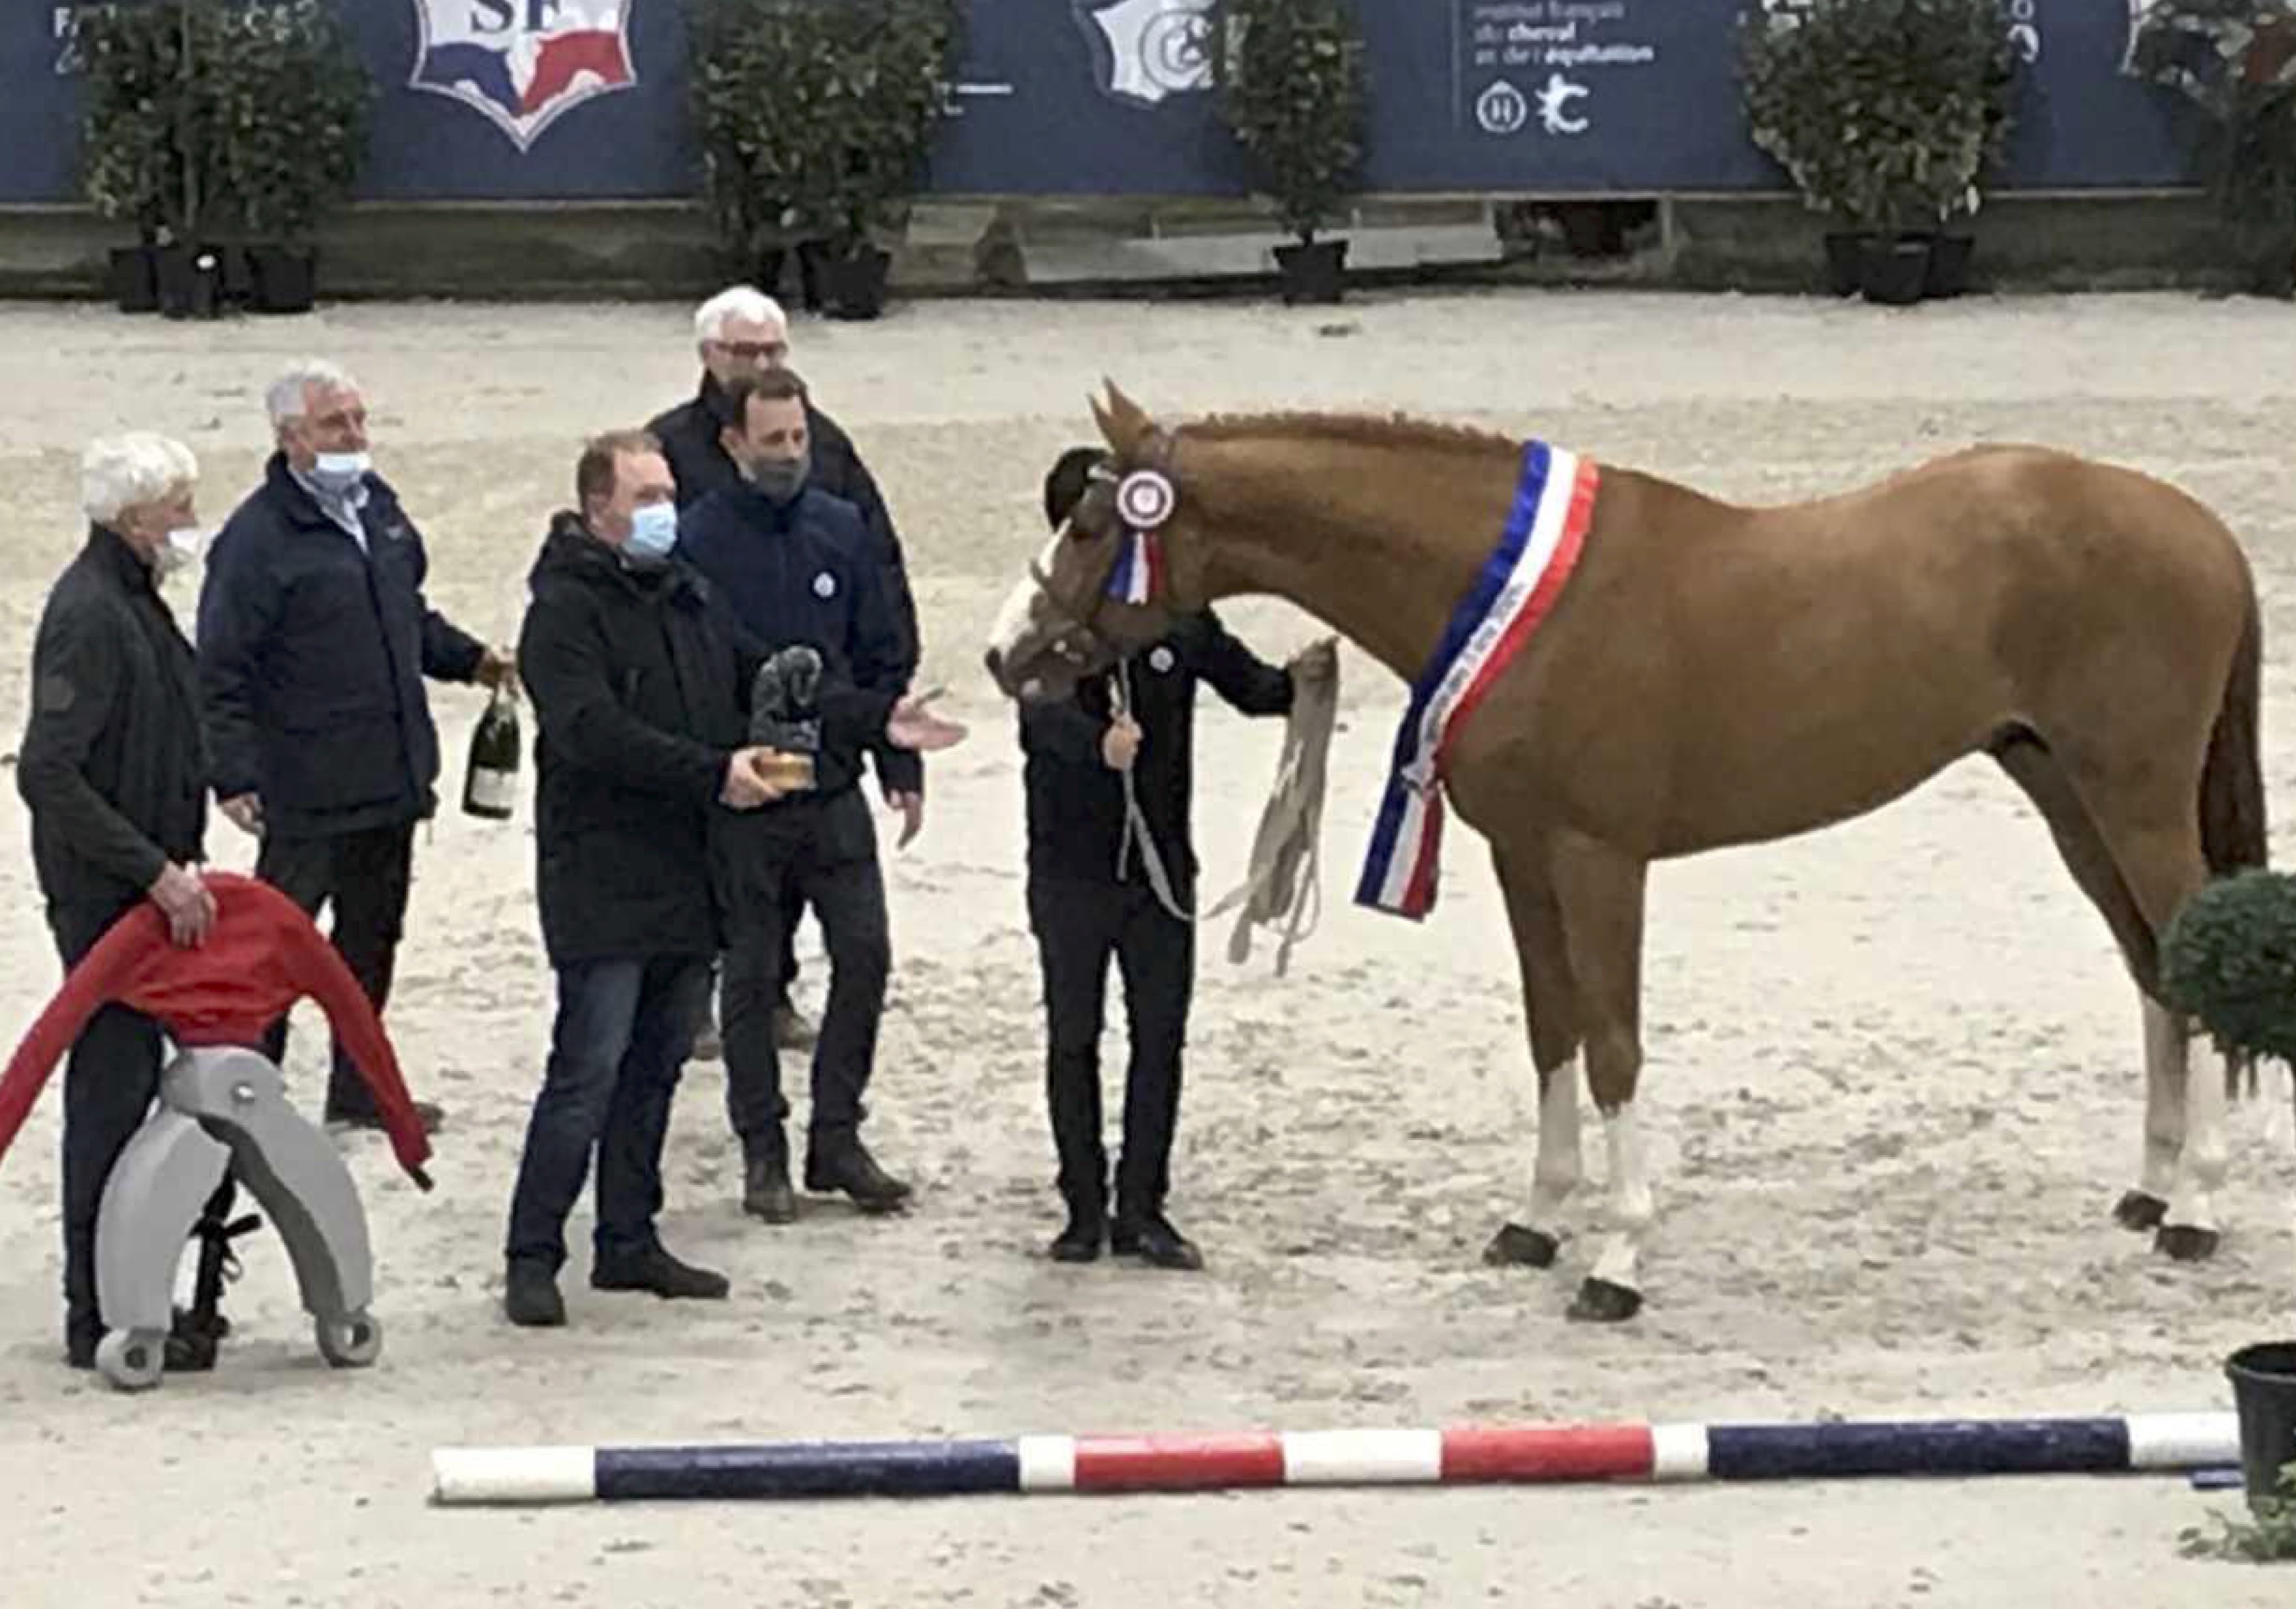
(1123,423)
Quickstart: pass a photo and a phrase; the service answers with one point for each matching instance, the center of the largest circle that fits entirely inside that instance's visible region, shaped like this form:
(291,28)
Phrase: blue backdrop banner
(574,99)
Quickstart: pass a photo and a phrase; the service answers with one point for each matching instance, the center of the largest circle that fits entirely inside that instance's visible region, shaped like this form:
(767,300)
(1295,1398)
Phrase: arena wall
(1536,139)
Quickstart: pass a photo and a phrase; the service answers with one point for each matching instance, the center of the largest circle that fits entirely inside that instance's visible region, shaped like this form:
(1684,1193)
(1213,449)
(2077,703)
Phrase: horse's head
(1119,565)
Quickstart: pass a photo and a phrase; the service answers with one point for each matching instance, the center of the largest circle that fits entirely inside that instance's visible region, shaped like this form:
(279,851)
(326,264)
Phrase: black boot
(656,1271)
(1081,1240)
(531,1297)
(766,1190)
(1151,1237)
(844,1164)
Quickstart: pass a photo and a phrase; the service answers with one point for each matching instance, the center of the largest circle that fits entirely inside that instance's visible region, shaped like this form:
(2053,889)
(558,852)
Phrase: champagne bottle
(490,784)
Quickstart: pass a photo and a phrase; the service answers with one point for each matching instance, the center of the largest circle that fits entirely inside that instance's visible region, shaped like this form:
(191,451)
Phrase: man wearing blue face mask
(314,641)
(640,676)
(792,562)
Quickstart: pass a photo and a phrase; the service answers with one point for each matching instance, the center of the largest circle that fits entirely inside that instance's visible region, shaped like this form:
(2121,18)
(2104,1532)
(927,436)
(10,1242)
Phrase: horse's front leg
(1600,891)
(2167,1061)
(1552,1019)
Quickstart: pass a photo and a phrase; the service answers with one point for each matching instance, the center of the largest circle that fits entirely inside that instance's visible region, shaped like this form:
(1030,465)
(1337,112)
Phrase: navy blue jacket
(312,655)
(799,573)
(689,438)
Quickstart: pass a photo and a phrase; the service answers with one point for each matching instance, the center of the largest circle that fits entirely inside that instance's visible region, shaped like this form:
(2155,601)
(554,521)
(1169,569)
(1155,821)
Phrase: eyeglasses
(754,349)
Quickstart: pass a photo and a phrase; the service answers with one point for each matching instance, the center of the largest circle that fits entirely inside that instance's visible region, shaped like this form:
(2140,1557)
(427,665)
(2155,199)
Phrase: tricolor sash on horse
(1517,586)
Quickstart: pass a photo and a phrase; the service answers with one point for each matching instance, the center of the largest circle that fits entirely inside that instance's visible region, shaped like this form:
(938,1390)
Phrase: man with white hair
(314,641)
(113,774)
(742,330)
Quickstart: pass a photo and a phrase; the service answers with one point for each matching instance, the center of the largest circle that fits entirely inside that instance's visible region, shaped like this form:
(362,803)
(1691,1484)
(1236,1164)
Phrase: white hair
(121,473)
(290,394)
(744,302)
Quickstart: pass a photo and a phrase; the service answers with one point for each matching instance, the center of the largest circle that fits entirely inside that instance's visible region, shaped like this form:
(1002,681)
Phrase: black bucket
(2264,1396)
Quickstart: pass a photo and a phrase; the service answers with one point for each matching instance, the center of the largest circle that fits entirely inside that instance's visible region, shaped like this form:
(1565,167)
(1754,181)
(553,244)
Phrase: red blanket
(260,957)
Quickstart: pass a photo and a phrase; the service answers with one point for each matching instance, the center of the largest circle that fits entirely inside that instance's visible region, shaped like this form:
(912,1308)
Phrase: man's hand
(912,725)
(497,667)
(748,781)
(1120,743)
(189,909)
(245,811)
(912,807)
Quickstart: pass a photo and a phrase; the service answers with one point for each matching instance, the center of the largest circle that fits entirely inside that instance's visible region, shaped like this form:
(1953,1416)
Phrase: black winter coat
(1076,803)
(640,680)
(112,766)
(688,434)
(791,573)
(312,655)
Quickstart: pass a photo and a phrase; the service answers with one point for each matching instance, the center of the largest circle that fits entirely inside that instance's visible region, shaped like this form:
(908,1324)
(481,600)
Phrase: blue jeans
(623,1032)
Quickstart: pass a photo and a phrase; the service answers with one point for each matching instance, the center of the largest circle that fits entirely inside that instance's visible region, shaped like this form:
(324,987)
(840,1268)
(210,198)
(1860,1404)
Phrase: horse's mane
(1393,429)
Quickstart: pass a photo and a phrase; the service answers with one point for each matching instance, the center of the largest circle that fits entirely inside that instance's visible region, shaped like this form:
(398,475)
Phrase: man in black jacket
(783,555)
(742,330)
(113,773)
(314,641)
(639,675)
(1089,894)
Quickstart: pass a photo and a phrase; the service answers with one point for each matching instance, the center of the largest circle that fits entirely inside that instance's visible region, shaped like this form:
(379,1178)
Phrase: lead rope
(1284,881)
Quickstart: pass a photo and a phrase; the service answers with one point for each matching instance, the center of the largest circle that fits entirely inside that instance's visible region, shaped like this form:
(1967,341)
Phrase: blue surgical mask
(653,532)
(340,471)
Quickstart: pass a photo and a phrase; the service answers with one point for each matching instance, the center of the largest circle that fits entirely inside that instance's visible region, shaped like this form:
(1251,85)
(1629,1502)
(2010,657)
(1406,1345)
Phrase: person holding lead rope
(1108,777)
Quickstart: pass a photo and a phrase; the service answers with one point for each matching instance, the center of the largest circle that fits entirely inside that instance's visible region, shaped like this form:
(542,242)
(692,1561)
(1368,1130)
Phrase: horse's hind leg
(2087,858)
(2155,842)
(1552,1012)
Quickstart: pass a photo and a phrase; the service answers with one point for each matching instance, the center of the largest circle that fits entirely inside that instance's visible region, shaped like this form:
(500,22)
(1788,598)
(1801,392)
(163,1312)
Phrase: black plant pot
(811,254)
(768,273)
(134,278)
(191,282)
(285,279)
(853,286)
(236,266)
(1845,251)
(2264,1396)
(1948,274)
(1315,272)
(1892,270)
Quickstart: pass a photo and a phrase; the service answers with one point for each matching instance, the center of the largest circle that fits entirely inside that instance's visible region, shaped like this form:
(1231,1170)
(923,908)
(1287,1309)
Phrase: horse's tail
(2232,781)
(2232,790)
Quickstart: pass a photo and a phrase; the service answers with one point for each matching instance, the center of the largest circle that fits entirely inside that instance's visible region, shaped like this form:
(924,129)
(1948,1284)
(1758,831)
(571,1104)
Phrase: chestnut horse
(1713,674)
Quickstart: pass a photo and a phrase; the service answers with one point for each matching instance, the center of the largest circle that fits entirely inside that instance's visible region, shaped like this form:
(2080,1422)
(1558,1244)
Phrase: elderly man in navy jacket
(788,558)
(742,330)
(314,641)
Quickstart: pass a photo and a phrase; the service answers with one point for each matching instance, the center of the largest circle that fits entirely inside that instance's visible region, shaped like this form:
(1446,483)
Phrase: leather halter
(1079,636)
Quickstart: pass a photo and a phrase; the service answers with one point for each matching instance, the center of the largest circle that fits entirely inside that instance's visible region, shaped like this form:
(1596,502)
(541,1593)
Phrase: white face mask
(340,471)
(179,550)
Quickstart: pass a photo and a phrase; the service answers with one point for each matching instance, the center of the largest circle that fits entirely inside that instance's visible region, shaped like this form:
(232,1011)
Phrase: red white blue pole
(1457,1456)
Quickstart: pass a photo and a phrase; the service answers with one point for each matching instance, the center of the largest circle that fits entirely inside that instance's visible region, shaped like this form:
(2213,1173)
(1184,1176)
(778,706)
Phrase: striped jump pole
(1459,1456)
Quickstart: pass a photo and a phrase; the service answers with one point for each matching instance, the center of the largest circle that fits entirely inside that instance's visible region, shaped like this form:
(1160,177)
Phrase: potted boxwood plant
(878,111)
(1886,114)
(2237,60)
(146,127)
(1290,85)
(759,69)
(293,104)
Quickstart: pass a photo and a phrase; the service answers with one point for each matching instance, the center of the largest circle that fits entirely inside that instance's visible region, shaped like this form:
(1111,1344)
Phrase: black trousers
(1080,924)
(110,1079)
(365,876)
(823,854)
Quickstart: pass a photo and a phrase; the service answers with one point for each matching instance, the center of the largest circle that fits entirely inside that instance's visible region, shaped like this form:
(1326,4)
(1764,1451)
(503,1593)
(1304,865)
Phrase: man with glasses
(740,331)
